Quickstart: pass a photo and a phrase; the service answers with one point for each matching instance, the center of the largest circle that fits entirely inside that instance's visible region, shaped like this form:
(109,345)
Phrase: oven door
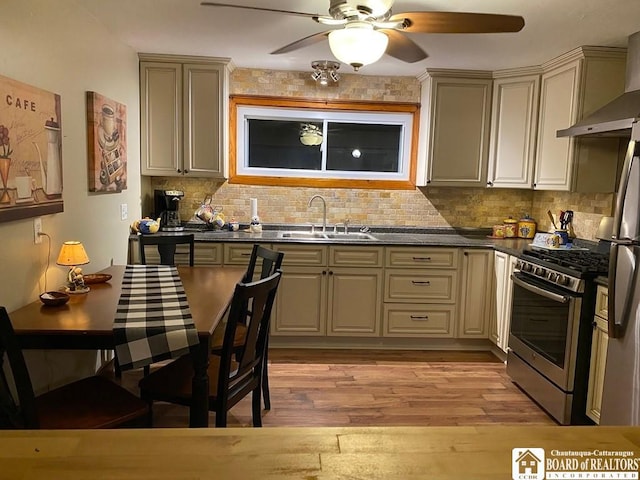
(545,321)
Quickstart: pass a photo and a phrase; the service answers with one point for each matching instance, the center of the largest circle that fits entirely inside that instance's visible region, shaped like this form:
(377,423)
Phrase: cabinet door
(160,118)
(459,132)
(203,119)
(597,368)
(500,260)
(558,106)
(355,296)
(301,302)
(475,297)
(513,131)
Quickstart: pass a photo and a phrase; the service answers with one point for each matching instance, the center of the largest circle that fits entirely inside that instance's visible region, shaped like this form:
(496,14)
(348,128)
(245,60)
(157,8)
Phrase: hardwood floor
(370,388)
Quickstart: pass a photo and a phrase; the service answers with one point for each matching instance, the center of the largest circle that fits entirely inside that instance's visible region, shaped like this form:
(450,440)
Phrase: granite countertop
(383,236)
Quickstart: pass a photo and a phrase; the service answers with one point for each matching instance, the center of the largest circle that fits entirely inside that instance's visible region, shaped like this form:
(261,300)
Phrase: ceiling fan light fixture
(358,44)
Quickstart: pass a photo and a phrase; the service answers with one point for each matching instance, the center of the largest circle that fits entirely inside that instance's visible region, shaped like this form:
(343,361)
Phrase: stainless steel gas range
(551,328)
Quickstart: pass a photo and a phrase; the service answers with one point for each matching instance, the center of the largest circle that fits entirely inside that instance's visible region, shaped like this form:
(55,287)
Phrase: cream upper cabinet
(183,110)
(455,117)
(513,128)
(573,86)
(475,293)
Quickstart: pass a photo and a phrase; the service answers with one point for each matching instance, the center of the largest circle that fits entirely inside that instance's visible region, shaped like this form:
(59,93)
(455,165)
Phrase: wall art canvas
(30,151)
(106,134)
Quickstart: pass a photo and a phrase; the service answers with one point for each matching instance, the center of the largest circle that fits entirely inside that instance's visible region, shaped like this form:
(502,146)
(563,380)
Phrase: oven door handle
(540,291)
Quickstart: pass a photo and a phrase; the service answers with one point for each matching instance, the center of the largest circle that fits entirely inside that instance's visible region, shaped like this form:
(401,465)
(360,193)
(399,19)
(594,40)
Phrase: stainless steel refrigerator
(621,395)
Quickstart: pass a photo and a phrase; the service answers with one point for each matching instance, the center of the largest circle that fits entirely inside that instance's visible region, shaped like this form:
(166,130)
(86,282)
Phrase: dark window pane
(276,144)
(364,148)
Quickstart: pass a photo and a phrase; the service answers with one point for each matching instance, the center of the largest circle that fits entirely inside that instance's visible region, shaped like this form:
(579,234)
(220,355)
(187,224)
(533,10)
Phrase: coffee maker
(167,206)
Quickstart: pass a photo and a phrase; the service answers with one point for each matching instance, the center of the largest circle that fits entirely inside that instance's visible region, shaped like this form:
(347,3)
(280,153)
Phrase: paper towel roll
(254,207)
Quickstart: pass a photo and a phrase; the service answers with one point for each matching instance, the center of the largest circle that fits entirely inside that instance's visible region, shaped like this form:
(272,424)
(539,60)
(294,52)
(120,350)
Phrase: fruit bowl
(54,299)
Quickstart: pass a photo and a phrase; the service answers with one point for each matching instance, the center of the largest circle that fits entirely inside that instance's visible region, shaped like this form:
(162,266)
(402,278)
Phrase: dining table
(86,321)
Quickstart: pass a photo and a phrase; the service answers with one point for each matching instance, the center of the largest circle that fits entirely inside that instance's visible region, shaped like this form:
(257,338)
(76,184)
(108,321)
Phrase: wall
(429,207)
(57,47)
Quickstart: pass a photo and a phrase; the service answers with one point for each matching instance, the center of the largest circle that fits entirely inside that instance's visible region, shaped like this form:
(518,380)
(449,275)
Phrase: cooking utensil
(553,222)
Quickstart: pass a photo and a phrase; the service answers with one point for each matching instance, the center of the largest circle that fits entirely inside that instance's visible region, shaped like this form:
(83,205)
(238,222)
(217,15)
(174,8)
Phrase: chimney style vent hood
(615,118)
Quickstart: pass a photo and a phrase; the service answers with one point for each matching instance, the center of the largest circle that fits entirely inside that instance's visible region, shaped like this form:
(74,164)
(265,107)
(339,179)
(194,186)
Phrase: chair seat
(238,338)
(172,382)
(93,402)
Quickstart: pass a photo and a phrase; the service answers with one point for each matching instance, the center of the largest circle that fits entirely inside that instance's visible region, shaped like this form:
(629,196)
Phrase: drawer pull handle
(419,317)
(421,282)
(245,254)
(422,259)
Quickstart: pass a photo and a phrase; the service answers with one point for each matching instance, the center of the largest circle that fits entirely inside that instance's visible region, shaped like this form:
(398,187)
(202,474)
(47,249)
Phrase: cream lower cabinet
(475,293)
(599,344)
(204,253)
(503,267)
(332,291)
(420,292)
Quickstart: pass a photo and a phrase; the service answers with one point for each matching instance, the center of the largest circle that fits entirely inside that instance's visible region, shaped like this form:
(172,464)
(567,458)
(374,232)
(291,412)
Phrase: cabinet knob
(179,171)
(490,184)
(186,171)
(324,272)
(330,272)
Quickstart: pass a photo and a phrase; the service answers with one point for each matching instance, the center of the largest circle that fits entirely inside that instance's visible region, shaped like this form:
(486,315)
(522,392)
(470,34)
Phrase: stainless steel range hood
(615,118)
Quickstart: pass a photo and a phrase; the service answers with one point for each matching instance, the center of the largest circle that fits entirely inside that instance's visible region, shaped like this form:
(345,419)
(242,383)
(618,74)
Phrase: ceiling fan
(370,29)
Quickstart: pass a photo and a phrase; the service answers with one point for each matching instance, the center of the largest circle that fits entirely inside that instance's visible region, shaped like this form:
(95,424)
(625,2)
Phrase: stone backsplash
(424,207)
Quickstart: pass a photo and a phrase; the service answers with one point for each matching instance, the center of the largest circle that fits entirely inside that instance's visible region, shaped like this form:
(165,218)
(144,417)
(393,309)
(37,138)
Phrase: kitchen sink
(350,236)
(303,235)
(326,236)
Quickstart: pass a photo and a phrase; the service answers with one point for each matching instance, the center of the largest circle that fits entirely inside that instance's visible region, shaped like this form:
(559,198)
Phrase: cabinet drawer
(238,253)
(206,253)
(428,286)
(602,301)
(304,255)
(422,257)
(418,320)
(355,256)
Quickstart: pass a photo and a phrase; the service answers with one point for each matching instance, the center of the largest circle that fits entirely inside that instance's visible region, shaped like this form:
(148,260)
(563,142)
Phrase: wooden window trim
(236,101)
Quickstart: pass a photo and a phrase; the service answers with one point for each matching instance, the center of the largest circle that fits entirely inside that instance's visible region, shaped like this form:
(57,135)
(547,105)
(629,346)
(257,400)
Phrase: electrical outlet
(37,230)
(124,211)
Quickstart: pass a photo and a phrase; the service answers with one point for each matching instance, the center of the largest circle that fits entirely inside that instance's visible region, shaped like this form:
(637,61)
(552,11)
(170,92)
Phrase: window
(310,143)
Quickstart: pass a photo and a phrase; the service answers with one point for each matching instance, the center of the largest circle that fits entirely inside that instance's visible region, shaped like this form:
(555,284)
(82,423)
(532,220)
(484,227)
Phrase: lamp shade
(72,253)
(358,44)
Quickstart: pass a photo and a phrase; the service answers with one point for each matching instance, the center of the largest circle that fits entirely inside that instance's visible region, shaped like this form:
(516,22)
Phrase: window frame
(236,144)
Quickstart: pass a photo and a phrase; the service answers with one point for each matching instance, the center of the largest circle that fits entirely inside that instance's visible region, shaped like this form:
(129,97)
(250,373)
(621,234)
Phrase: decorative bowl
(92,278)
(54,299)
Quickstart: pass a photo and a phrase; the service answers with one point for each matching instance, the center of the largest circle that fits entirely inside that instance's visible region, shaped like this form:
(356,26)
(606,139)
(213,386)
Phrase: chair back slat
(270,262)
(166,245)
(20,414)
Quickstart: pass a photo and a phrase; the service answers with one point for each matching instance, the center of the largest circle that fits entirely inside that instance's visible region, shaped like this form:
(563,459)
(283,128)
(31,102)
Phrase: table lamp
(72,254)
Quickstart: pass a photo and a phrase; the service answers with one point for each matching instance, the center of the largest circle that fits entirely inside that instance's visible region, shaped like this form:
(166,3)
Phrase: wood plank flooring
(378,388)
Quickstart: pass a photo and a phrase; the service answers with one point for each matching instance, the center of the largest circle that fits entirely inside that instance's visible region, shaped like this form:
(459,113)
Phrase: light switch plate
(124,211)
(37,230)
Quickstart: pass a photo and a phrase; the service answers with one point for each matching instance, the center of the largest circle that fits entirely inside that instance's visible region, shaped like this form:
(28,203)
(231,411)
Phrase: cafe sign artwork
(30,151)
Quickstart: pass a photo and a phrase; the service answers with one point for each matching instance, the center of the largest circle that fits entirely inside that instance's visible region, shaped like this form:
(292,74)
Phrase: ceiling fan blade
(458,22)
(402,47)
(303,42)
(261,9)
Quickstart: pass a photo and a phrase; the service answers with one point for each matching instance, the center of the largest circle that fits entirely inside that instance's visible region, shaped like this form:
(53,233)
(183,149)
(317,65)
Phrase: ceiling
(552,27)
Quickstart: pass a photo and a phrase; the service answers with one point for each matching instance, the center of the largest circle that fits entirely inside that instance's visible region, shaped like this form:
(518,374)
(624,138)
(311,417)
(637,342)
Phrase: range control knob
(562,280)
(552,276)
(540,271)
(527,267)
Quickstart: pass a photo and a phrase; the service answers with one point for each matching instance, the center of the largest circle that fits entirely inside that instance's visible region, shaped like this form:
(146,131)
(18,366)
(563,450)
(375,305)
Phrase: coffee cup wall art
(107,144)
(30,151)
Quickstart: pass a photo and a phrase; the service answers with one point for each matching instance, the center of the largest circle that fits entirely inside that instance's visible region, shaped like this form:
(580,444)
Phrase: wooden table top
(209,290)
(442,453)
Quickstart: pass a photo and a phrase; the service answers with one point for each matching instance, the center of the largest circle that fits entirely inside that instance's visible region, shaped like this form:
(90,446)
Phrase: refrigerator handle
(622,190)
(612,327)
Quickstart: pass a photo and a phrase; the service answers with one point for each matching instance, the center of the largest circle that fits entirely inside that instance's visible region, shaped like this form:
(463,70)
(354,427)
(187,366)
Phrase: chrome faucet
(324,210)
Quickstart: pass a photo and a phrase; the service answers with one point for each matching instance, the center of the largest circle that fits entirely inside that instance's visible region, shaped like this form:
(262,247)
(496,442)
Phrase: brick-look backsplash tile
(428,207)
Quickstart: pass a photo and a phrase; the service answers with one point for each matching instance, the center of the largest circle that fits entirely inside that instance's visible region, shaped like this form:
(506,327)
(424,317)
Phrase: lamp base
(77,291)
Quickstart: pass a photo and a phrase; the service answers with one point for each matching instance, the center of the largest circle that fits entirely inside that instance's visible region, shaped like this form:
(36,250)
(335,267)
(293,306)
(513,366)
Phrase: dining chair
(231,376)
(270,262)
(93,402)
(166,246)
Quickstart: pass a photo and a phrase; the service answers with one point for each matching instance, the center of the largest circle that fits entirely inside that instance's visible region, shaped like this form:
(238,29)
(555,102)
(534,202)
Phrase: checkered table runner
(153,321)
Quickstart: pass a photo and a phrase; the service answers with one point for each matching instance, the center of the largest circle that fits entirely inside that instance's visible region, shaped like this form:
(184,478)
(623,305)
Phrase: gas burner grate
(586,262)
